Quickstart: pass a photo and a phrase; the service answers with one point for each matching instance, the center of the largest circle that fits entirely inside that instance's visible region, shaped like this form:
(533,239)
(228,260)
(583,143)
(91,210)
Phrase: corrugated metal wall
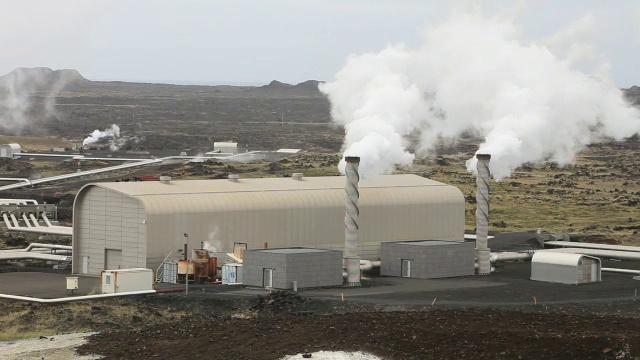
(107,222)
(310,218)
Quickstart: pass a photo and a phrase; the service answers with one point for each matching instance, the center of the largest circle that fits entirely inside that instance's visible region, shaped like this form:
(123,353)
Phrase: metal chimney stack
(482,214)
(351,259)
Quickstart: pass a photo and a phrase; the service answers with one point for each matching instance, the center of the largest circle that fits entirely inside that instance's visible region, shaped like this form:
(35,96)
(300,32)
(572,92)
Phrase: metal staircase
(66,261)
(160,269)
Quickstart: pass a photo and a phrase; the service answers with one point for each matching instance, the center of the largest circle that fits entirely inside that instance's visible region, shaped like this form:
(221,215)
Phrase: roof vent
(234,177)
(296,176)
(165,179)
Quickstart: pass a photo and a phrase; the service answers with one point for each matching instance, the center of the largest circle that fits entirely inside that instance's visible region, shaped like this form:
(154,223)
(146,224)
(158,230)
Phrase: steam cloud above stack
(530,101)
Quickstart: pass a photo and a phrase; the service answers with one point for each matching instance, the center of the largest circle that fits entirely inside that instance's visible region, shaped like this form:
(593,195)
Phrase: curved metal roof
(199,196)
(559,258)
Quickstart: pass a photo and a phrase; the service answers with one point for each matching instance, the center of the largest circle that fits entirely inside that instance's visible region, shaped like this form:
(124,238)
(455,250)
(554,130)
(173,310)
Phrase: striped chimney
(482,214)
(351,259)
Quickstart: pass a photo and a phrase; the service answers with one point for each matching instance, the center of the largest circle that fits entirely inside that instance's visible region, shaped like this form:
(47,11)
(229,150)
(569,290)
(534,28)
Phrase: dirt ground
(439,334)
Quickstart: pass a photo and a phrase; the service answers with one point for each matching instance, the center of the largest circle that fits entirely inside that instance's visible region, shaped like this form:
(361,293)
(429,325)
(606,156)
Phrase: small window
(107,279)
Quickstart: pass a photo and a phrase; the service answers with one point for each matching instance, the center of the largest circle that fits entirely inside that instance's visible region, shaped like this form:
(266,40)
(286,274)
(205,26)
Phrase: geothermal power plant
(281,233)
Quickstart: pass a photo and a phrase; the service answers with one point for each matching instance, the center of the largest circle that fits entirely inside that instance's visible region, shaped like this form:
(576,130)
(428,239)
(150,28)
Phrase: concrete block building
(429,259)
(279,268)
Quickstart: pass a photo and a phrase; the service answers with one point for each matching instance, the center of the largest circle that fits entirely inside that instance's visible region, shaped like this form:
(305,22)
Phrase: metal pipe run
(74,298)
(621,271)
(14,225)
(18,202)
(23,180)
(351,259)
(607,254)
(592,246)
(26,221)
(482,214)
(23,255)
(368,265)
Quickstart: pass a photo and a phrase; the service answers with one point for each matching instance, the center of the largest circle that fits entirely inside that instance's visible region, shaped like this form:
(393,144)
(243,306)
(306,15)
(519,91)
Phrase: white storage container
(231,274)
(125,280)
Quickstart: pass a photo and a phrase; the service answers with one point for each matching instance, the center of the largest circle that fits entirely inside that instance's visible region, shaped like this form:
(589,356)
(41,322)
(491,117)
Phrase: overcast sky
(236,41)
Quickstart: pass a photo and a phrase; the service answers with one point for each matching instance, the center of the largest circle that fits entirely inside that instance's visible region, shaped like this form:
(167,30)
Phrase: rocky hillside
(42,79)
(633,94)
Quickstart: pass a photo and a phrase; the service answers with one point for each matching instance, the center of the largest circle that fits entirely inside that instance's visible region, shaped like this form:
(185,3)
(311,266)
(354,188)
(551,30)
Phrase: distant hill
(633,94)
(42,79)
(277,88)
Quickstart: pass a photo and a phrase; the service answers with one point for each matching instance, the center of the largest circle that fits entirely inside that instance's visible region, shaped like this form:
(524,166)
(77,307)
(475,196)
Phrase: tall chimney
(482,214)
(351,259)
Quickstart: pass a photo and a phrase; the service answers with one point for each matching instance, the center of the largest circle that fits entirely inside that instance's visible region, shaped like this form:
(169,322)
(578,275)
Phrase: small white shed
(565,268)
(225,147)
(125,280)
(9,150)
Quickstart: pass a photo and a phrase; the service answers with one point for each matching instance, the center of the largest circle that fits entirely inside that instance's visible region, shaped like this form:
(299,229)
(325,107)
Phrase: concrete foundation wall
(440,260)
(312,269)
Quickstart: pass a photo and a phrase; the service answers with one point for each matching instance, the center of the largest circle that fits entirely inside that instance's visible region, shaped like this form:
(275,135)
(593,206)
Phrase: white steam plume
(113,132)
(475,74)
(17,91)
(213,244)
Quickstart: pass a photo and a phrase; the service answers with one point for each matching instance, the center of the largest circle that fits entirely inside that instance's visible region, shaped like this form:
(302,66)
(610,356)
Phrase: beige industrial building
(139,224)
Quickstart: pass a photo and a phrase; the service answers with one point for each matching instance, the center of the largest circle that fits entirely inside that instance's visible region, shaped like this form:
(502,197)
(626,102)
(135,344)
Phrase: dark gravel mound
(460,334)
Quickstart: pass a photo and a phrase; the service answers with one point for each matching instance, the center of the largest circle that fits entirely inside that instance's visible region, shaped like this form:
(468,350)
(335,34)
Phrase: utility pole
(186,258)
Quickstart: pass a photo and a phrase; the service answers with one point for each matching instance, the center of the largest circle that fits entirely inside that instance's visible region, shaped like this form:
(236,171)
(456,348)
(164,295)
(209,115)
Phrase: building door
(112,259)
(267,278)
(109,286)
(594,272)
(85,264)
(406,268)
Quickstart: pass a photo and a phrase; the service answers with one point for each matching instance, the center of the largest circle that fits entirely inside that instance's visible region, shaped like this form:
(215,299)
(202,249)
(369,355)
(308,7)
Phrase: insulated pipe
(482,214)
(15,221)
(368,265)
(74,298)
(56,230)
(608,254)
(22,255)
(17,201)
(35,221)
(509,256)
(622,271)
(26,220)
(7,222)
(592,246)
(351,259)
(46,220)
(24,180)
(47,246)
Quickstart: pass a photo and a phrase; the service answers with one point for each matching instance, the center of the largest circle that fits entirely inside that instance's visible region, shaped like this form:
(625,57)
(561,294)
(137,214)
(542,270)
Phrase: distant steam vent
(19,109)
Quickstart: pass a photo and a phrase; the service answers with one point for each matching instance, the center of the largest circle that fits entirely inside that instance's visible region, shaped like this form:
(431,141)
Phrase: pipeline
(18,202)
(592,246)
(621,271)
(74,298)
(368,265)
(22,255)
(14,225)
